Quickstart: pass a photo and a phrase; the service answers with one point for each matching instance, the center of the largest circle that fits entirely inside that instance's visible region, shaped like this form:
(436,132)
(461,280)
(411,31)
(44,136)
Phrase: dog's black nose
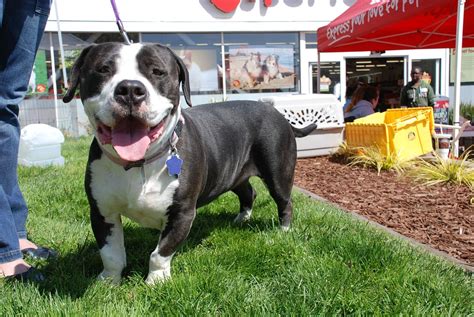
(130,92)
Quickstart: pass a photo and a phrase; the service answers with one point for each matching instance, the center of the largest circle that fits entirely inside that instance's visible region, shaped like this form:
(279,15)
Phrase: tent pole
(457,80)
(53,79)
(224,79)
(318,80)
(60,37)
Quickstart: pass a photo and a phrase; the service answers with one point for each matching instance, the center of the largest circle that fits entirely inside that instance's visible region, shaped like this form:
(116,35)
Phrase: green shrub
(466,111)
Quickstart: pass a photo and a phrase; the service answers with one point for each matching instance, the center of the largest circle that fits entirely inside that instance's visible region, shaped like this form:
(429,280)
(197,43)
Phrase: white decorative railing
(301,110)
(323,116)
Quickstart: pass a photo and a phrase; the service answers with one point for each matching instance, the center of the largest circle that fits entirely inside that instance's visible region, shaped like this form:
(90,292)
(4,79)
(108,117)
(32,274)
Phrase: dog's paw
(243,216)
(109,277)
(158,276)
(285,228)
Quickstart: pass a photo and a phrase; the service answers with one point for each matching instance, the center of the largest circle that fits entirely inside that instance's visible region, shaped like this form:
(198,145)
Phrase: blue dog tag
(174,163)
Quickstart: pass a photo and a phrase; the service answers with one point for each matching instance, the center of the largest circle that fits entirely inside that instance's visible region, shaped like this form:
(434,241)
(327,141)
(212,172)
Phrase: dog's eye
(158,72)
(103,69)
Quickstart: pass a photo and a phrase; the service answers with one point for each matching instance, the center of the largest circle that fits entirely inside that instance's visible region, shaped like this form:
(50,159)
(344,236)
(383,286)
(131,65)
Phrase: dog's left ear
(75,74)
(183,77)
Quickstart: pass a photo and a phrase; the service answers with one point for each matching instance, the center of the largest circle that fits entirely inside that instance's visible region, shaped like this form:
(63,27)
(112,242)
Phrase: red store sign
(229,6)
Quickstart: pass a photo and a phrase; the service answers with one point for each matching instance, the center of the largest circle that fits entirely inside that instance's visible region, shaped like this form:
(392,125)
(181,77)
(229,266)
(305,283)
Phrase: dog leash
(120,23)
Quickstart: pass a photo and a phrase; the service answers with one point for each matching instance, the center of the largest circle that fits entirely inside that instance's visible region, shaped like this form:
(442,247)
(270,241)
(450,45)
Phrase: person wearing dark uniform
(417,93)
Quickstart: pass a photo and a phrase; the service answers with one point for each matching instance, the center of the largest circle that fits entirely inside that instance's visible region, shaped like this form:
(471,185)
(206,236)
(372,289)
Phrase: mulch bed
(439,216)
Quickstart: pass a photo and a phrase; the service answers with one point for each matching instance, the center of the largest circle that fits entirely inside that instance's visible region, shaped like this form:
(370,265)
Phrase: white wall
(195,15)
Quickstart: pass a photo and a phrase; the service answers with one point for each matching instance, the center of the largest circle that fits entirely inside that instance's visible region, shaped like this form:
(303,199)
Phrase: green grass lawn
(329,263)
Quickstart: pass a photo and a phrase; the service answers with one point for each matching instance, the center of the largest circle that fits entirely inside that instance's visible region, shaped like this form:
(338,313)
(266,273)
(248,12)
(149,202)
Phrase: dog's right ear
(184,78)
(75,74)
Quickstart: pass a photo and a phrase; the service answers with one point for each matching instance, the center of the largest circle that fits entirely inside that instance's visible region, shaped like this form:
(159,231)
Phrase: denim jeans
(22,23)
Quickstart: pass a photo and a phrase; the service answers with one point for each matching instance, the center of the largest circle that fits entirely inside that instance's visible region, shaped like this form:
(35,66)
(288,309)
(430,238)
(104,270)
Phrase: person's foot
(29,248)
(32,275)
(27,244)
(19,270)
(13,268)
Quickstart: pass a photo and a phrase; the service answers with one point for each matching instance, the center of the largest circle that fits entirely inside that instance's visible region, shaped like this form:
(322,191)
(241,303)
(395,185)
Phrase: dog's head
(272,60)
(254,60)
(131,95)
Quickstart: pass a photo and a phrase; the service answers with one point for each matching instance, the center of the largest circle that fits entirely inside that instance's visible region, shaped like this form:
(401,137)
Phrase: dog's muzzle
(130,93)
(131,135)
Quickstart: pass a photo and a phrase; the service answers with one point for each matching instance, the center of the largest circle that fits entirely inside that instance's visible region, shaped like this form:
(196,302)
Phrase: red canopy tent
(379,25)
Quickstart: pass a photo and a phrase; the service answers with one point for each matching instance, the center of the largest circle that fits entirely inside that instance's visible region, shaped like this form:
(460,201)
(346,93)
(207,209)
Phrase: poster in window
(202,68)
(261,67)
(325,83)
(467,61)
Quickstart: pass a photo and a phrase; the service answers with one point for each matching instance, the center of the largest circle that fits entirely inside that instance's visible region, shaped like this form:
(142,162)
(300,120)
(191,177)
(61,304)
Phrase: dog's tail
(299,133)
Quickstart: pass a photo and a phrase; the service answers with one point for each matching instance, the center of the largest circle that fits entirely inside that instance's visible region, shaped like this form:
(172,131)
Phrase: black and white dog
(156,164)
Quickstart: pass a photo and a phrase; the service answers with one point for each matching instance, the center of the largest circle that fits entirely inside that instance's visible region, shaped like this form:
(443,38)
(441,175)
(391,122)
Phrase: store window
(311,39)
(261,62)
(467,64)
(41,82)
(254,62)
(330,80)
(386,73)
(97,38)
(430,72)
(201,53)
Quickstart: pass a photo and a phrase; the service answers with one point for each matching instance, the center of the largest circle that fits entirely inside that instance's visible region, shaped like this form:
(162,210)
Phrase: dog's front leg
(175,232)
(108,232)
(266,78)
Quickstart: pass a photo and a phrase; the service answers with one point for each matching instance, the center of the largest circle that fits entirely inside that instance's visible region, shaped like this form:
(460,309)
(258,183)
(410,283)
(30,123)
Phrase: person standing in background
(22,24)
(417,93)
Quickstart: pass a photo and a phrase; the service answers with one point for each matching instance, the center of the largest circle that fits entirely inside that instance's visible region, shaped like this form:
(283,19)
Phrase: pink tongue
(130,139)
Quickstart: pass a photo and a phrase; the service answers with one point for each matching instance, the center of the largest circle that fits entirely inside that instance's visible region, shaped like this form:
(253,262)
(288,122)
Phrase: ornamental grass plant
(432,171)
(372,157)
(440,171)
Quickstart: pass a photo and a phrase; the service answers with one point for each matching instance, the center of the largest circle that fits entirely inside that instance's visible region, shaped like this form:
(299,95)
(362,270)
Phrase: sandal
(32,275)
(40,253)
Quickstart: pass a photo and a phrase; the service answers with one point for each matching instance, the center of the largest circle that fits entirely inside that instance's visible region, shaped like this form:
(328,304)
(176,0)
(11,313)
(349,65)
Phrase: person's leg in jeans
(13,211)
(21,28)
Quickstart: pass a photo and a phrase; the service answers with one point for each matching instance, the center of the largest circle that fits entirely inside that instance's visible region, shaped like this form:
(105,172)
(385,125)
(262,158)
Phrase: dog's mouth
(130,137)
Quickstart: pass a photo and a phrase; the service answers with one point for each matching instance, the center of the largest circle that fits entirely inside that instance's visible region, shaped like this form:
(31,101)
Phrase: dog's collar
(165,148)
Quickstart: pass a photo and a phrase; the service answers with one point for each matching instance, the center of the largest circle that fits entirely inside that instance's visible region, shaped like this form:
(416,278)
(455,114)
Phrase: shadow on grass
(73,273)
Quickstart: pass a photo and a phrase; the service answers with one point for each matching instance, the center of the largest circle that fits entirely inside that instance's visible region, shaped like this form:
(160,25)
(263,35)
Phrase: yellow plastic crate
(405,132)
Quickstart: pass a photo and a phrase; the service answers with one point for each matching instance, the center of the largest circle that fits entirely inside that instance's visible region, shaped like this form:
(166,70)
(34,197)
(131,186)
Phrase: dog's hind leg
(175,232)
(282,197)
(278,176)
(246,195)
(108,232)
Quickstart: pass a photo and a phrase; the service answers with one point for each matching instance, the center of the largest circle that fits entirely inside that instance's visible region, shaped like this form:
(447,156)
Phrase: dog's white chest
(142,194)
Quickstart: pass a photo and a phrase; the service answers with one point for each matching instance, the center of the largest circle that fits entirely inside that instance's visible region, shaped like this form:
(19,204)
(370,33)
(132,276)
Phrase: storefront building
(244,49)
